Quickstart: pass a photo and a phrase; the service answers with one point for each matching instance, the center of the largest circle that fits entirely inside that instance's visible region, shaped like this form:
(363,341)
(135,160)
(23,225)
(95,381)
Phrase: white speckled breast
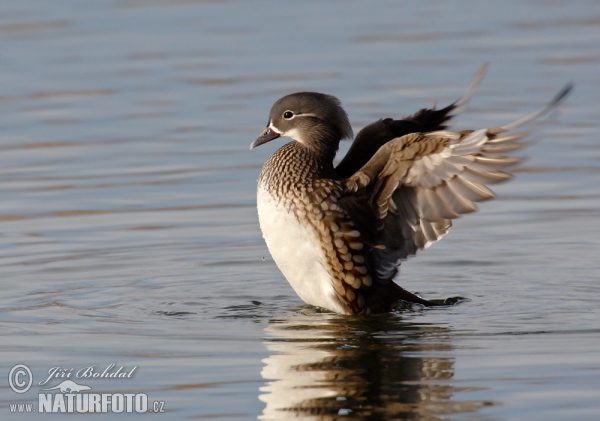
(292,246)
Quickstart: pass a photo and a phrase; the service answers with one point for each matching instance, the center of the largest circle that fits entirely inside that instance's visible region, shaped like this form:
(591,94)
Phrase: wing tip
(460,104)
(551,105)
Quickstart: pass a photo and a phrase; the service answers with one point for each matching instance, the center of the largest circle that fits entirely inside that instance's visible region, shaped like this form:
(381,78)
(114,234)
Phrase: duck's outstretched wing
(372,137)
(406,195)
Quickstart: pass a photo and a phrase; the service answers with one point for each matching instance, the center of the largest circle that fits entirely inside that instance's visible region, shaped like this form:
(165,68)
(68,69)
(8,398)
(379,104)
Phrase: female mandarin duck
(339,233)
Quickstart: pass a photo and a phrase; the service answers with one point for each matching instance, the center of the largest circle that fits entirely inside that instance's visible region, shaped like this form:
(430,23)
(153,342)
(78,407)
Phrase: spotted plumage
(339,233)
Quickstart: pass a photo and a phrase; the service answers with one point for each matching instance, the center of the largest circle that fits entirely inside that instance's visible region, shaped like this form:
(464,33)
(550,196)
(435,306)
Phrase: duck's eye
(288,114)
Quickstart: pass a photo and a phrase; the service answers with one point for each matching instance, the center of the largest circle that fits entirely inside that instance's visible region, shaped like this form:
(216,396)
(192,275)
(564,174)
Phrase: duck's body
(295,226)
(339,233)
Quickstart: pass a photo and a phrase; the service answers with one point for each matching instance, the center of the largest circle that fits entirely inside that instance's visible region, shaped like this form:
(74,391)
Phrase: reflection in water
(378,367)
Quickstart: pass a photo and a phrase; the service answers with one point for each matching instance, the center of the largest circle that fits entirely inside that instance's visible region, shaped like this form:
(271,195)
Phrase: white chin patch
(275,129)
(294,134)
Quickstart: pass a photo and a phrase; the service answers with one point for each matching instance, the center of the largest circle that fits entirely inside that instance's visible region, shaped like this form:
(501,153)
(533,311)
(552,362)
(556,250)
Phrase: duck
(339,232)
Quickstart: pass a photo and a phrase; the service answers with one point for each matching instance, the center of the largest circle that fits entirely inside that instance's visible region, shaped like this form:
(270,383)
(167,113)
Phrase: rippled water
(128,230)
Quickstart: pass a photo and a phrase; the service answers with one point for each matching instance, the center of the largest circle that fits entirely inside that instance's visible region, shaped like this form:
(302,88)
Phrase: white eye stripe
(298,115)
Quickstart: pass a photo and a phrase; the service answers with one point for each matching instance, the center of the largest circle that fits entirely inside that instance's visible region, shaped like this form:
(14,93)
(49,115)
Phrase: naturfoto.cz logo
(69,396)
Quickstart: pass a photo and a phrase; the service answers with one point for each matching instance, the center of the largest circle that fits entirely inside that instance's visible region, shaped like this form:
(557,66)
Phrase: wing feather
(403,199)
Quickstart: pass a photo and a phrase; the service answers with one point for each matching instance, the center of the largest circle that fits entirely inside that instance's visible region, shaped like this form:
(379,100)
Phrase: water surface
(128,230)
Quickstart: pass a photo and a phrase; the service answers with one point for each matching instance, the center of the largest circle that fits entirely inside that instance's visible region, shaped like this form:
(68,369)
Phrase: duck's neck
(295,165)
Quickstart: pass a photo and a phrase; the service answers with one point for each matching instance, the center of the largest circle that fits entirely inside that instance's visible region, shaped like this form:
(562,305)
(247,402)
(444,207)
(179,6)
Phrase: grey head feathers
(315,120)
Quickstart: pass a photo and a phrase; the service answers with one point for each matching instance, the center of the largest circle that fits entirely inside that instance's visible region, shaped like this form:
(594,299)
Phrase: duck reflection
(378,367)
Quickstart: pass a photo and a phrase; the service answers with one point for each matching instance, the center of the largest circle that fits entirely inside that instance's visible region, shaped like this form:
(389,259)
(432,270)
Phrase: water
(128,230)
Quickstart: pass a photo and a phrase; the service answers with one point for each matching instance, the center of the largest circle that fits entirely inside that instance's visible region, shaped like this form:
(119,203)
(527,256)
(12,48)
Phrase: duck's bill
(266,136)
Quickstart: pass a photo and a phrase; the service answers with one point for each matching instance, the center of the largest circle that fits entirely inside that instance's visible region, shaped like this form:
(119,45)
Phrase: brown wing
(372,137)
(415,185)
(377,134)
(404,198)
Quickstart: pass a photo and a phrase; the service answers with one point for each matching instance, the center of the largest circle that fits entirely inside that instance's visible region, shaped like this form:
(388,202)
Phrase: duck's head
(316,121)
